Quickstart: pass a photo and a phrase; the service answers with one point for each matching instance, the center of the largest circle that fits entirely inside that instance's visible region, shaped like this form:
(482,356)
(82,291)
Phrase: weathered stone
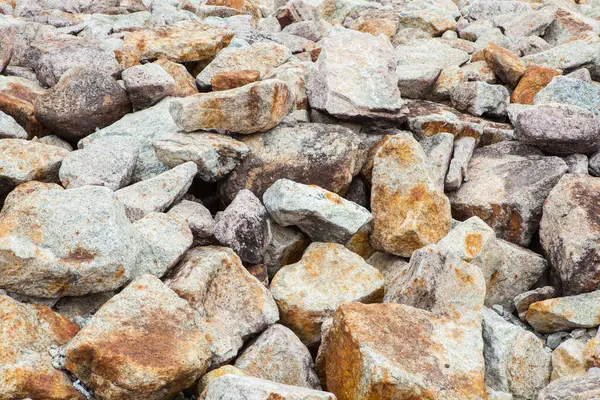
(57,242)
(81,102)
(27,334)
(316,154)
(571,91)
(479,71)
(10,129)
(508,183)
(295,74)
(524,300)
(486,9)
(142,343)
(215,155)
(389,265)
(591,353)
(431,20)
(582,74)
(562,313)
(457,171)
(147,84)
(534,79)
(568,56)
(235,386)
(216,374)
(530,23)
(278,355)
(322,215)
(530,45)
(184,41)
(504,63)
(430,52)
(480,98)
(244,227)
(581,388)
(566,26)
(286,247)
(54,140)
(185,85)
(80,309)
(106,162)
(568,359)
(234,79)
(256,107)
(569,232)
(198,218)
(438,149)
(309,291)
(158,193)
(417,81)
(404,199)
(355,77)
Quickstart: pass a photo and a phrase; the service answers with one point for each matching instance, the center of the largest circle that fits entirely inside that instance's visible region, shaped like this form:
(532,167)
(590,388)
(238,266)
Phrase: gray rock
(286,247)
(279,356)
(417,81)
(198,218)
(486,9)
(158,193)
(389,265)
(81,102)
(10,129)
(568,56)
(214,154)
(530,45)
(244,227)
(457,171)
(147,84)
(577,163)
(438,149)
(571,91)
(322,215)
(524,300)
(234,386)
(481,98)
(430,52)
(55,141)
(581,74)
(568,359)
(581,388)
(594,164)
(555,339)
(355,77)
(565,313)
(106,162)
(529,23)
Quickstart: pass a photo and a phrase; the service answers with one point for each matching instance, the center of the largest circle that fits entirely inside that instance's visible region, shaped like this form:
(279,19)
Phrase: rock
(584,387)
(317,154)
(215,155)
(22,161)
(479,71)
(568,359)
(27,334)
(244,227)
(480,98)
(147,84)
(286,247)
(198,218)
(486,9)
(10,129)
(438,149)
(417,81)
(562,313)
(234,386)
(106,162)
(570,91)
(457,171)
(158,193)
(184,41)
(516,361)
(449,79)
(508,183)
(355,78)
(525,299)
(141,342)
(216,374)
(60,242)
(278,355)
(530,23)
(256,107)
(431,20)
(417,354)
(17,96)
(322,215)
(430,52)
(55,141)
(81,309)
(404,198)
(568,56)
(565,27)
(165,239)
(534,79)
(234,79)
(262,56)
(216,284)
(185,85)
(569,230)
(504,63)
(582,74)
(309,291)
(81,102)
(591,353)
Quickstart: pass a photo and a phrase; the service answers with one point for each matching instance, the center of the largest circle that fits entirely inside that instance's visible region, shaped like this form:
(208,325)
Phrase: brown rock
(504,63)
(234,79)
(386,27)
(17,96)
(534,79)
(185,84)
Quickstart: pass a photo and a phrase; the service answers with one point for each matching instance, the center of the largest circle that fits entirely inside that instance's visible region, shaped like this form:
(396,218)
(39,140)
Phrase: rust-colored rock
(185,84)
(534,79)
(17,96)
(234,79)
(504,63)
(379,26)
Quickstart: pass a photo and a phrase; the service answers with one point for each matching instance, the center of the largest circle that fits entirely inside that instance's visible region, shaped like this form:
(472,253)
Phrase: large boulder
(563,313)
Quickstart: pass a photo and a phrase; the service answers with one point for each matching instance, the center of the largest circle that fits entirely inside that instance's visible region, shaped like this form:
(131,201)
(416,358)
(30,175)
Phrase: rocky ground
(299,200)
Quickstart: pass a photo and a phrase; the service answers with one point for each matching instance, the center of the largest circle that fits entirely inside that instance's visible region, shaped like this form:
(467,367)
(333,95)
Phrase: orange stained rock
(534,79)
(234,79)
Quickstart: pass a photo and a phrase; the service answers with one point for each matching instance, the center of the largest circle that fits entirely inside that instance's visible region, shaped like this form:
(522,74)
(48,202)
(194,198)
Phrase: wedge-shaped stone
(570,91)
(568,359)
(198,218)
(563,313)
(581,388)
(233,386)
(568,56)
(286,247)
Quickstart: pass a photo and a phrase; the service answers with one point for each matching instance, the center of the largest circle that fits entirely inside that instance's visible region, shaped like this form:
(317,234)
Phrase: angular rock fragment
(438,149)
(389,265)
(583,387)
(250,388)
(55,141)
(185,85)
(234,79)
(147,84)
(481,98)
(198,218)
(568,56)
(417,81)
(142,342)
(309,291)
(568,359)
(534,79)
(572,91)
(562,313)
(504,63)
(286,247)
(322,215)
(431,53)
(256,107)
(457,171)
(10,129)
(577,163)
(525,299)
(158,193)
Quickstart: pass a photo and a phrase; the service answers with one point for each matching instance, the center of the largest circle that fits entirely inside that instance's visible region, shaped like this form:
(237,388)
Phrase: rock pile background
(299,199)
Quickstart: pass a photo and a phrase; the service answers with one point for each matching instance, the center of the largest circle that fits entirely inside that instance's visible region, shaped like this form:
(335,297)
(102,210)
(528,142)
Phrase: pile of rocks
(294,199)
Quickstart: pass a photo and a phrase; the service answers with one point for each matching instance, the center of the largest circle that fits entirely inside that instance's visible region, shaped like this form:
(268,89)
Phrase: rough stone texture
(417,81)
(389,265)
(591,353)
(142,344)
(10,129)
(457,171)
(233,386)
(56,242)
(508,183)
(256,107)
(17,96)
(54,141)
(286,247)
(27,334)
(577,163)
(558,128)
(244,227)
(504,63)
(81,102)
(571,91)
(278,355)
(158,193)
(198,218)
(480,98)
(568,56)
(185,85)
(579,388)
(23,161)
(568,359)
(216,374)
(431,53)
(316,154)
(525,299)
(562,313)
(534,79)
(569,233)
(106,162)
(355,77)
(147,84)
(322,215)
(418,355)
(516,361)
(404,199)
(438,149)
(309,291)
(215,155)
(234,79)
